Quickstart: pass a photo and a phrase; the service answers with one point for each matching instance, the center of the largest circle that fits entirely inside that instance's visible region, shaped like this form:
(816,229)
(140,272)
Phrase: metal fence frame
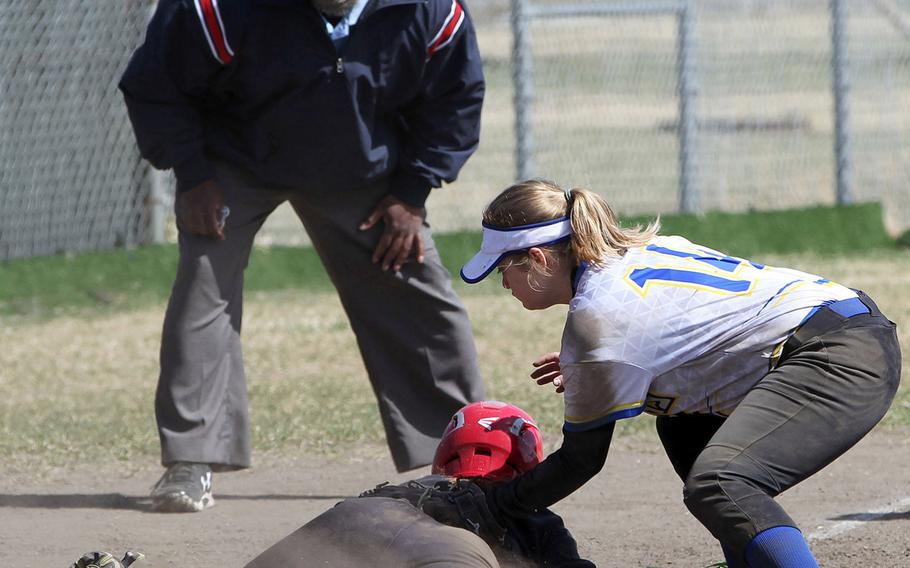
(133,206)
(523,12)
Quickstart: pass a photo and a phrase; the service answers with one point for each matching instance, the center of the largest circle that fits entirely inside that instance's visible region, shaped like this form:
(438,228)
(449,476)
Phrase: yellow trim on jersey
(787,292)
(611,410)
(741,265)
(828,284)
(778,350)
(643,291)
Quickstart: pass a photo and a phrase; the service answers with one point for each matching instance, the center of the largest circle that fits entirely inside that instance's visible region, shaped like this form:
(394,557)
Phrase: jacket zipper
(367,12)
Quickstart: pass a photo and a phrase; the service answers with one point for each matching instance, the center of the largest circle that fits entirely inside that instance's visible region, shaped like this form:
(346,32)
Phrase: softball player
(422,523)
(759,376)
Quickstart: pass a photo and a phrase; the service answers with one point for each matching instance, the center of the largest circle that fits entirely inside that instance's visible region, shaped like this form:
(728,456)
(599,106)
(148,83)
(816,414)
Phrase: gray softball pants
(377,531)
(412,330)
(835,381)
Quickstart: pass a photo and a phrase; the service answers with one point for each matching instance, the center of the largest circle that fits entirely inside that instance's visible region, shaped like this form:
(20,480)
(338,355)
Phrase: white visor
(499,242)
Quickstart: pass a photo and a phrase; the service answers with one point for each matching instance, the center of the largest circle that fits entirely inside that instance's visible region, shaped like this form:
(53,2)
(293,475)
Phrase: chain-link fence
(604,109)
(722,105)
(604,112)
(70,175)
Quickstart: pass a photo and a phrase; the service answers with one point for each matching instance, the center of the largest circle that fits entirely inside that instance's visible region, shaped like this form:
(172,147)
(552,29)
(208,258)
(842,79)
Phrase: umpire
(351,110)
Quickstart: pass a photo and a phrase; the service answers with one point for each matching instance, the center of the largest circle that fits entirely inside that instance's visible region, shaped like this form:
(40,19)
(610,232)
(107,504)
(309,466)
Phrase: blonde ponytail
(596,232)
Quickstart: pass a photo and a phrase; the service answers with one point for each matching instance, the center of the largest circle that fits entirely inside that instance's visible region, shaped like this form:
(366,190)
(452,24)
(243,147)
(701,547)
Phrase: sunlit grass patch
(80,387)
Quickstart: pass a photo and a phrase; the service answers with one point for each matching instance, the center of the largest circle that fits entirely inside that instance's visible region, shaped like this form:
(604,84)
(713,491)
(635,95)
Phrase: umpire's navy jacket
(259,84)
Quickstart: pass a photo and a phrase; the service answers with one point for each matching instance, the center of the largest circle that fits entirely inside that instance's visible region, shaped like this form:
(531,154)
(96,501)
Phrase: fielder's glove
(454,502)
(105,560)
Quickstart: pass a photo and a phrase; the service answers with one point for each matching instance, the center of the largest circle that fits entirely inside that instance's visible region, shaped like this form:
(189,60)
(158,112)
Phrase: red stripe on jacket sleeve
(450,26)
(215,32)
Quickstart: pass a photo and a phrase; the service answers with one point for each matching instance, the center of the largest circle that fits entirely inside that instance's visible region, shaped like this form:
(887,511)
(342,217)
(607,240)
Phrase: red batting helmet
(489,439)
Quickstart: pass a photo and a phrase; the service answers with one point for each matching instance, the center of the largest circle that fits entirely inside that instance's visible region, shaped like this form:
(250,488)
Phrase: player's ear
(538,257)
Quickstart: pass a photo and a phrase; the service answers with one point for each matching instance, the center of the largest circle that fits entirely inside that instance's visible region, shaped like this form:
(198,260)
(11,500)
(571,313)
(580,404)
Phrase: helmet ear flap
(517,426)
(528,445)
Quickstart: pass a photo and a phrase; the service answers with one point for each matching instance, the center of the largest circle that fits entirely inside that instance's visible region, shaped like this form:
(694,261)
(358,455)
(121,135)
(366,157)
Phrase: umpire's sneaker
(184,488)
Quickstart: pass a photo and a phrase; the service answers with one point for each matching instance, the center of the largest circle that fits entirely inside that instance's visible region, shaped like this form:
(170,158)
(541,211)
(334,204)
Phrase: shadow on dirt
(129,502)
(893,516)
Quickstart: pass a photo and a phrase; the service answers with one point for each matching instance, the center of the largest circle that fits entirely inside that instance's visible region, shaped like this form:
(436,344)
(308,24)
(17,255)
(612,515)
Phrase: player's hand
(401,231)
(547,370)
(201,210)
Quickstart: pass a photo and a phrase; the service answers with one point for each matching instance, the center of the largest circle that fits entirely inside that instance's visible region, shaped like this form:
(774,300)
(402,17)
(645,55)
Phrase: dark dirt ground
(856,512)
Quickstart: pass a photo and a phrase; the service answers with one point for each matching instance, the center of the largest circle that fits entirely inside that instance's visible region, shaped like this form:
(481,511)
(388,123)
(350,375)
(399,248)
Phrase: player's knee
(703,495)
(719,479)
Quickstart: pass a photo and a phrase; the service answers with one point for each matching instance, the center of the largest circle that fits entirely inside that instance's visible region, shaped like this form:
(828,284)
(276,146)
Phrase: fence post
(158,204)
(522,81)
(689,197)
(841,88)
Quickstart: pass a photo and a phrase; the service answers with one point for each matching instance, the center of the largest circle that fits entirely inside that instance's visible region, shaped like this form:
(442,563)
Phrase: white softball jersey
(674,327)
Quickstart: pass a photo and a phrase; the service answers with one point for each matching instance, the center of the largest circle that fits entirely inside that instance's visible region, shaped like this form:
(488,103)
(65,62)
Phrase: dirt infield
(856,511)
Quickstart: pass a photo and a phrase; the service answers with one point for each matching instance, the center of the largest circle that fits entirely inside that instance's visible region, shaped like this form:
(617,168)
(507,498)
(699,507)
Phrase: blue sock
(780,547)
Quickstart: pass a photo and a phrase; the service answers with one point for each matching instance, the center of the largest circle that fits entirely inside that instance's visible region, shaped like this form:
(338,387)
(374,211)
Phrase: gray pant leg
(377,531)
(816,405)
(201,399)
(413,332)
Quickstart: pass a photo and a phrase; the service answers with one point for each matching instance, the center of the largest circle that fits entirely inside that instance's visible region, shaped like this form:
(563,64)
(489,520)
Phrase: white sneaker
(184,488)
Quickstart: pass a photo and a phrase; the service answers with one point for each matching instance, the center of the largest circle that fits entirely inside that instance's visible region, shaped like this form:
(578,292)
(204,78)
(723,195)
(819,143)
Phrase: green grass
(80,386)
(820,230)
(128,279)
(81,335)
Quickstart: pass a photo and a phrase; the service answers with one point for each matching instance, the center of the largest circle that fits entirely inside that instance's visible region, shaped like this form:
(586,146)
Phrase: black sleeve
(580,458)
(543,538)
(165,85)
(443,123)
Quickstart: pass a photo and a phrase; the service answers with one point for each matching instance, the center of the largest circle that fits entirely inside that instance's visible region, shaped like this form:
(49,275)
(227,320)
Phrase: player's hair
(596,233)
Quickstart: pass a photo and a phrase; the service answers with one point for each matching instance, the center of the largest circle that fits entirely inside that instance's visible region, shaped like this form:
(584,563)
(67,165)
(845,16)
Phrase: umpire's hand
(401,232)
(199,210)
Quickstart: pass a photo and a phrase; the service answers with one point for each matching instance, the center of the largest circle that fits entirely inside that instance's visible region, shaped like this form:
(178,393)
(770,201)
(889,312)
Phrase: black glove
(456,503)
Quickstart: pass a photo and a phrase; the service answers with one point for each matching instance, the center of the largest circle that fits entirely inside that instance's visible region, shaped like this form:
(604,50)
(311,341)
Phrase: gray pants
(835,382)
(377,531)
(413,333)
